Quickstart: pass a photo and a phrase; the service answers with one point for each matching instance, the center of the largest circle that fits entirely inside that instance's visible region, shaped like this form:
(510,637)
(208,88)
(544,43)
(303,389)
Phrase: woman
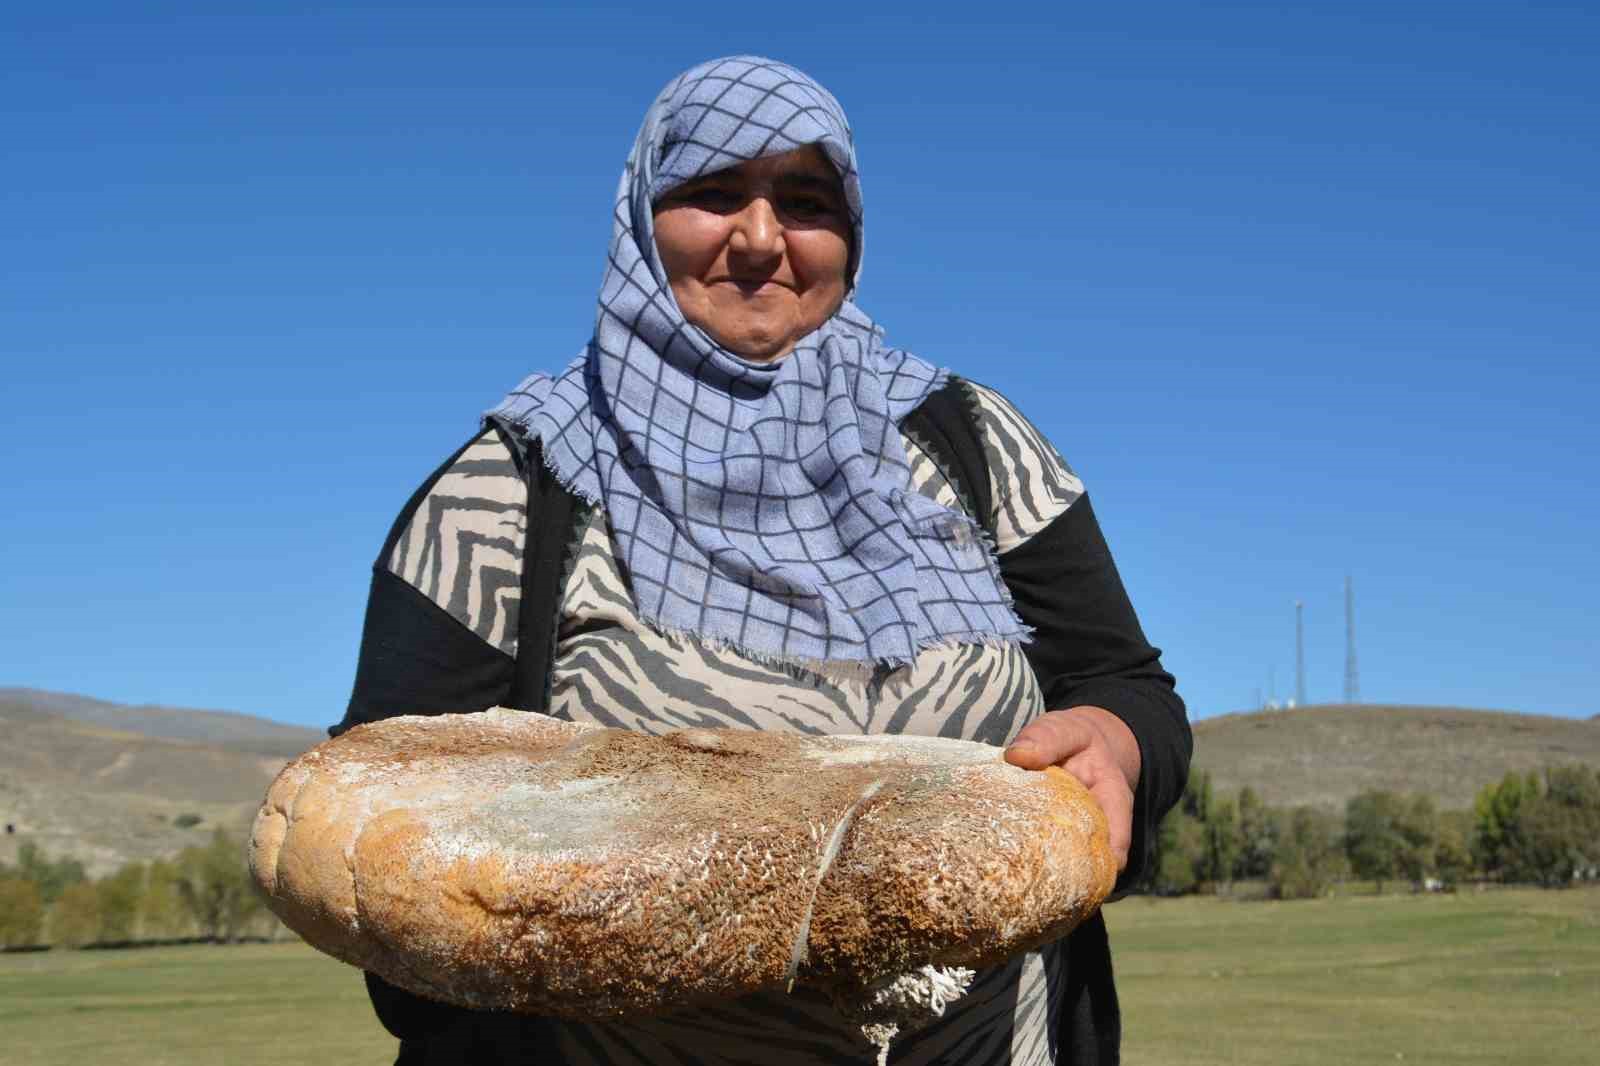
(769,520)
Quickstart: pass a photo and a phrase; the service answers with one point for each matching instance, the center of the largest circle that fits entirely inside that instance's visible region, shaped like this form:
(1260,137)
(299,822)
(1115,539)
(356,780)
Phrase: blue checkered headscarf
(766,506)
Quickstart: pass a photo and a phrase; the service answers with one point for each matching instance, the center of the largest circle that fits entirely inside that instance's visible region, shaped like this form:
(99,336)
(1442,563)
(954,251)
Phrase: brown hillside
(1323,755)
(229,729)
(106,796)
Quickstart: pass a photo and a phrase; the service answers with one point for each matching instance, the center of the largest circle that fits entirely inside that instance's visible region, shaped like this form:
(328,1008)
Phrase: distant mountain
(1323,755)
(107,783)
(241,732)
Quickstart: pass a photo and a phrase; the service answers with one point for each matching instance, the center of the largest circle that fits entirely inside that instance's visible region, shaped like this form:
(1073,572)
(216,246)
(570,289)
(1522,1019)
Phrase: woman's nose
(756,230)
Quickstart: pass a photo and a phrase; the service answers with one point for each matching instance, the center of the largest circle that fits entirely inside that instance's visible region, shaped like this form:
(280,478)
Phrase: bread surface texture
(507,860)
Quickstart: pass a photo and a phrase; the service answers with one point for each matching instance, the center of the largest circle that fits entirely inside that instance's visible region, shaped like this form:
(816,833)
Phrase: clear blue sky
(1300,290)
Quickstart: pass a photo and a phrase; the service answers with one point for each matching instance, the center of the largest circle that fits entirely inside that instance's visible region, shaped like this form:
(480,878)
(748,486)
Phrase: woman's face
(757,254)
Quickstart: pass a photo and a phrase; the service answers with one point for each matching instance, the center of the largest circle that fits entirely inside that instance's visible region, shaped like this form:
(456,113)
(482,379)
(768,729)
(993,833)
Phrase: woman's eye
(711,198)
(807,206)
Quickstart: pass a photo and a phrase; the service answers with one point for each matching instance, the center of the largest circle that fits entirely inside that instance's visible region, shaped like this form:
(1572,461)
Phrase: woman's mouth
(753,286)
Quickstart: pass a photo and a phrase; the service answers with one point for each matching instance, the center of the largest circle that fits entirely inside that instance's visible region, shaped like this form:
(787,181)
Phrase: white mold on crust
(851,749)
(905,1003)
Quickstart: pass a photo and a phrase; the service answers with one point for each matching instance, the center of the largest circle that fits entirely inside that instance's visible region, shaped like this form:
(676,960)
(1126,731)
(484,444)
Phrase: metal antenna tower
(1299,654)
(1352,678)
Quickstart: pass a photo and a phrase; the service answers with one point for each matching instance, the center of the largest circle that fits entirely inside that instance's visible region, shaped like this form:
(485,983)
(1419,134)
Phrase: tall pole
(1299,654)
(1352,678)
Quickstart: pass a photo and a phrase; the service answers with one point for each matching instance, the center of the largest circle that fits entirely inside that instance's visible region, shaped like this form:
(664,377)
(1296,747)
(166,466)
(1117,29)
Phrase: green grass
(243,1005)
(1496,977)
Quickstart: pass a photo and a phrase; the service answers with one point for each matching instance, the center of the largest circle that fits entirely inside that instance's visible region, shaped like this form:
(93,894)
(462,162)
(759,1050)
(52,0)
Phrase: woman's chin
(757,345)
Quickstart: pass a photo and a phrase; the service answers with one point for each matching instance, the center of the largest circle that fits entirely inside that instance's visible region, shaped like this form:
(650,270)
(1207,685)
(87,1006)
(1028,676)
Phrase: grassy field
(1496,977)
(198,1005)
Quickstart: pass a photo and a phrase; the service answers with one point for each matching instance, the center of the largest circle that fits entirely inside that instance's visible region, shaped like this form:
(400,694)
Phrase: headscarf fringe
(838,671)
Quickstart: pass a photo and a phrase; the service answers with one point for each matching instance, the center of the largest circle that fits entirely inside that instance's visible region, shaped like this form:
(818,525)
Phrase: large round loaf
(507,860)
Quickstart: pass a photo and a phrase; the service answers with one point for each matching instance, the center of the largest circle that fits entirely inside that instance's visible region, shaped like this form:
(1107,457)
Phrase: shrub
(162,914)
(1547,832)
(52,878)
(1180,854)
(75,917)
(119,898)
(1310,860)
(216,887)
(1373,841)
(21,912)
(1258,836)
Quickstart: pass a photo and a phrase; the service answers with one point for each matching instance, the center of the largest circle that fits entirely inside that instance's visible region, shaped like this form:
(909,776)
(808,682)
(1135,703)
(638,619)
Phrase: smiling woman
(757,255)
(739,507)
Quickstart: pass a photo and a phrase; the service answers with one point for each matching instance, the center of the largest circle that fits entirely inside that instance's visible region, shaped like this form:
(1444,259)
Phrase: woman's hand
(1097,748)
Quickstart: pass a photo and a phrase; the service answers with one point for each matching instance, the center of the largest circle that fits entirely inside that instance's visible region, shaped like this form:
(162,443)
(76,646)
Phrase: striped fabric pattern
(1007,1018)
(613,669)
(463,546)
(1030,483)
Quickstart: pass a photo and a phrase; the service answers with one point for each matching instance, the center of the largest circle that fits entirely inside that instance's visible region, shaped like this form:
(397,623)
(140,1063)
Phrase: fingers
(1110,789)
(1049,740)
(1061,738)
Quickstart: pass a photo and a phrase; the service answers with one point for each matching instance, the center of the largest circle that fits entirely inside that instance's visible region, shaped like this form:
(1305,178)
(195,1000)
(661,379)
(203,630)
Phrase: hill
(105,783)
(241,732)
(1323,755)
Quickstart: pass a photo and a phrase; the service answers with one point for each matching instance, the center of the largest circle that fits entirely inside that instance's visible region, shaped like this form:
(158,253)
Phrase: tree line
(1533,828)
(204,892)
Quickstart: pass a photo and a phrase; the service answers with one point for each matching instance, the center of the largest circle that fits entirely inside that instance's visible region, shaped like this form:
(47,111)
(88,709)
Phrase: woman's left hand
(1097,748)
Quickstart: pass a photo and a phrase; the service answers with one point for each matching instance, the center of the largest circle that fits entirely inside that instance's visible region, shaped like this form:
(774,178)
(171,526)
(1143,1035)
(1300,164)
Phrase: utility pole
(1352,678)
(1299,654)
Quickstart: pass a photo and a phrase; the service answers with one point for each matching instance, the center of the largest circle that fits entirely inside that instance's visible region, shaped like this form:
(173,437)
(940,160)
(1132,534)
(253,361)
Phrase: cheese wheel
(511,861)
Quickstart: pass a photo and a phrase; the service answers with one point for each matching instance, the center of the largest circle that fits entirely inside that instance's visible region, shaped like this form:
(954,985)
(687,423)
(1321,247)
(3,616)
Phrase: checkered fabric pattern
(761,505)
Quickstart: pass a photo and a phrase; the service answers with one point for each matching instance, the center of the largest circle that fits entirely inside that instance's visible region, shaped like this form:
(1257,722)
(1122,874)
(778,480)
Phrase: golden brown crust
(511,861)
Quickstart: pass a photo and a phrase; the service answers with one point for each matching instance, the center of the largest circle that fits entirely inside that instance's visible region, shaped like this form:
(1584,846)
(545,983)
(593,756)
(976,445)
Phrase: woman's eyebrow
(809,183)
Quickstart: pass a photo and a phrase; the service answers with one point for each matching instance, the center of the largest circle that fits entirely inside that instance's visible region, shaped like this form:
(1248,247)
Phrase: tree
(1179,854)
(1498,810)
(75,917)
(1197,841)
(1558,829)
(1309,859)
(1453,853)
(162,914)
(1222,841)
(21,912)
(52,878)
(216,887)
(1545,831)
(1418,826)
(1257,836)
(1575,786)
(119,899)
(1373,841)
(1196,801)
